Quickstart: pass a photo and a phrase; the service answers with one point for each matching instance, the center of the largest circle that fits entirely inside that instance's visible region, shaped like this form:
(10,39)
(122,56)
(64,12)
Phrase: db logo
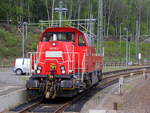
(53,67)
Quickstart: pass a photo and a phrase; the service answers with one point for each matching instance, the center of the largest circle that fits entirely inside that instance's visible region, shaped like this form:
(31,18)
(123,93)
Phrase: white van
(22,66)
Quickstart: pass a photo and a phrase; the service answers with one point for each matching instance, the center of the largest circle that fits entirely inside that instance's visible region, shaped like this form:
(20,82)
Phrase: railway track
(39,106)
(108,79)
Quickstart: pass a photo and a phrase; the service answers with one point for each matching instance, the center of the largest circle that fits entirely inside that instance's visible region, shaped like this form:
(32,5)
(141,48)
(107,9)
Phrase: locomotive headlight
(62,68)
(38,71)
(63,71)
(53,44)
(39,68)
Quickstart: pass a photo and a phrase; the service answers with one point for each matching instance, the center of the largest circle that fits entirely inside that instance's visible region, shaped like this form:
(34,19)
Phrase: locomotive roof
(57,29)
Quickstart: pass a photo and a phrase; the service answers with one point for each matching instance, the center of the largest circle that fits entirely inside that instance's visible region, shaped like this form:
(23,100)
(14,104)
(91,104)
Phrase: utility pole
(137,38)
(127,39)
(23,41)
(52,13)
(91,16)
(26,29)
(46,3)
(120,40)
(60,13)
(23,34)
(100,26)
(127,49)
(79,12)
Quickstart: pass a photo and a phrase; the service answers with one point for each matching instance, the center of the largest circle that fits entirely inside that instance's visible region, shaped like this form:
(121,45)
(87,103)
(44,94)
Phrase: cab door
(80,51)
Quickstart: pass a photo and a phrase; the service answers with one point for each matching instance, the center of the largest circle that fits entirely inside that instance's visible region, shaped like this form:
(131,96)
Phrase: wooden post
(144,73)
(115,106)
(131,75)
(121,81)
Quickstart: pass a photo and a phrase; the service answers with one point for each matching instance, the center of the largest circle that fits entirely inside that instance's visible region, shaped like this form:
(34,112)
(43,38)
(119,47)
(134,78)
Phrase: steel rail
(121,74)
(126,70)
(33,105)
(115,77)
(62,108)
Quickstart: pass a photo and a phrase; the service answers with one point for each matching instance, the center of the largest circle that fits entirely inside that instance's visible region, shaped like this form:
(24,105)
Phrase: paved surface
(11,79)
(138,98)
(10,82)
(12,89)
(134,99)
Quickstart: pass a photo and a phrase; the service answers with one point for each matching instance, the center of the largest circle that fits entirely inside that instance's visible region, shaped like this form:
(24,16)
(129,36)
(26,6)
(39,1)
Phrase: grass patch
(111,68)
(11,46)
(24,78)
(115,53)
(11,43)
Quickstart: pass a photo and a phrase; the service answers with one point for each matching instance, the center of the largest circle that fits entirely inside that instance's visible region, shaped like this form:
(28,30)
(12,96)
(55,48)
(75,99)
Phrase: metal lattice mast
(60,10)
(46,3)
(100,27)
(79,12)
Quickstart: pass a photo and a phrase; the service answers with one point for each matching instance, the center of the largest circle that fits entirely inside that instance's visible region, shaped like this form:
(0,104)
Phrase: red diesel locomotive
(65,63)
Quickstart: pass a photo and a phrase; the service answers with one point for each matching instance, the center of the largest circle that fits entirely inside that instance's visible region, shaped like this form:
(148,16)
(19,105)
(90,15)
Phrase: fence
(6,66)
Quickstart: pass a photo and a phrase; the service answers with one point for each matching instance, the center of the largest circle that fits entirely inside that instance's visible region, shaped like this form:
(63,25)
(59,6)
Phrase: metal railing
(70,60)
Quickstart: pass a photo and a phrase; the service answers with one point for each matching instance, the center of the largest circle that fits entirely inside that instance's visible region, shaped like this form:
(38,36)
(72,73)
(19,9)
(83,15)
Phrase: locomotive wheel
(19,72)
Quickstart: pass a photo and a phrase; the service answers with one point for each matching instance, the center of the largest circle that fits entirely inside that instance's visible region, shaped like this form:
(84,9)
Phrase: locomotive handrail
(35,55)
(83,65)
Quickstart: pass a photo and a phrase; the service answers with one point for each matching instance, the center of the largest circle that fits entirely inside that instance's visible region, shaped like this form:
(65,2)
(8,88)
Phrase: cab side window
(81,41)
(47,37)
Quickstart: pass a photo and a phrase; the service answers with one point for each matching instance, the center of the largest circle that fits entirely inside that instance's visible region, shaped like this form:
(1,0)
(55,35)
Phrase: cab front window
(58,36)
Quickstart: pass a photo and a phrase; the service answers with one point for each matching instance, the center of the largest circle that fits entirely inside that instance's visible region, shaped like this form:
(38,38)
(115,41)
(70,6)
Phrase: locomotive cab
(60,48)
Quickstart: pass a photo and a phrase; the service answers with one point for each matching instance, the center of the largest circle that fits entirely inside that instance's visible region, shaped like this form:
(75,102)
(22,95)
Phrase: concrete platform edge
(13,99)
